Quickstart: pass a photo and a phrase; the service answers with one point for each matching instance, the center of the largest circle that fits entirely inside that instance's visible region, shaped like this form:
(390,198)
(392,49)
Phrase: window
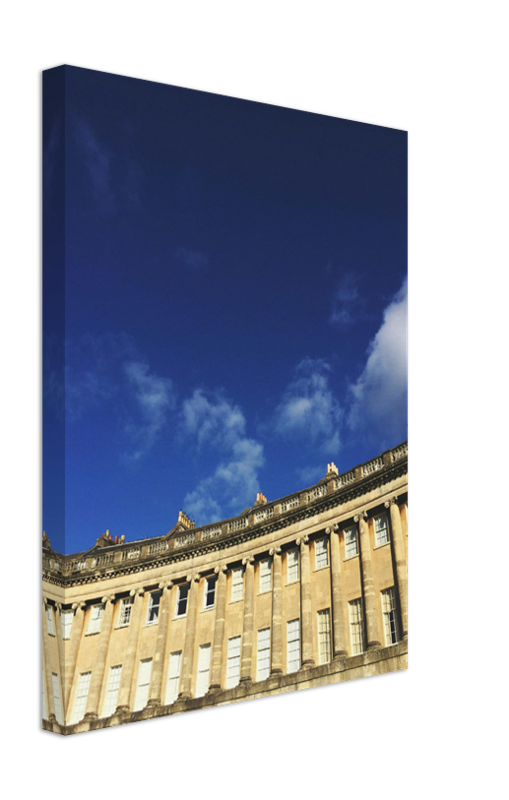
(80,701)
(44,705)
(381,530)
(237,584)
(263,663)
(182,594)
(292,566)
(324,636)
(51,620)
(154,601)
(56,698)
(356,626)
(389,614)
(202,678)
(94,620)
(321,554)
(210,593)
(124,614)
(172,687)
(143,683)
(351,546)
(66,618)
(265,575)
(110,701)
(293,646)
(233,665)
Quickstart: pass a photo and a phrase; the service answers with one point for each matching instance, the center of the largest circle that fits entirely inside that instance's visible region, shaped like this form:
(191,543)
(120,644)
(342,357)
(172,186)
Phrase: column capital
(391,501)
(275,551)
(59,606)
(110,598)
(165,585)
(137,592)
(248,560)
(302,540)
(220,568)
(332,528)
(362,515)
(192,578)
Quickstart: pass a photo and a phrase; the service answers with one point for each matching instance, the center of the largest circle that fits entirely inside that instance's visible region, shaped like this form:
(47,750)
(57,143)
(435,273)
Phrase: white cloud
(309,409)
(380,393)
(155,398)
(347,304)
(215,422)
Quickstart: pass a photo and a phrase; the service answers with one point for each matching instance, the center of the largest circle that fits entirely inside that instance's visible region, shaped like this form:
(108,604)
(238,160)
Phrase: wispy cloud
(380,393)
(155,397)
(309,409)
(217,423)
(98,161)
(194,259)
(347,304)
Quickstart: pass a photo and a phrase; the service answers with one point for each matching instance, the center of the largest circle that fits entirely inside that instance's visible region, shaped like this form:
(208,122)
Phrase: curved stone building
(303,591)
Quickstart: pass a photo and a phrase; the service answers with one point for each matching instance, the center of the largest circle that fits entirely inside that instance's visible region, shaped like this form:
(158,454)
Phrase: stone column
(246,664)
(398,544)
(188,652)
(97,678)
(73,649)
(50,701)
(276,650)
(217,652)
(128,663)
(159,660)
(367,581)
(305,604)
(338,622)
(61,654)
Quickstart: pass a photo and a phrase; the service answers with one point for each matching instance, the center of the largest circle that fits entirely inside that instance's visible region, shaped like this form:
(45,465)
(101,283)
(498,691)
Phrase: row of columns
(277,642)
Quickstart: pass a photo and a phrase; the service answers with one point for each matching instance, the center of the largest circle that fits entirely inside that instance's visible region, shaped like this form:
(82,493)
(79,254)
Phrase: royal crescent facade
(303,591)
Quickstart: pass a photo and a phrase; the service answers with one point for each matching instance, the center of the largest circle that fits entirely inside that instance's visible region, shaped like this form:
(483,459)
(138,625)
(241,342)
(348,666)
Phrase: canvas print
(225,479)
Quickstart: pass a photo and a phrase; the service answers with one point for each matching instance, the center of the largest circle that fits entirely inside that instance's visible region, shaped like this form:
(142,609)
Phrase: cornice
(338,497)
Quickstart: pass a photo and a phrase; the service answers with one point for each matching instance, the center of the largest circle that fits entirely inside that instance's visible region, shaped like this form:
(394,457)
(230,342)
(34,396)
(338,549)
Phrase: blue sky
(227,311)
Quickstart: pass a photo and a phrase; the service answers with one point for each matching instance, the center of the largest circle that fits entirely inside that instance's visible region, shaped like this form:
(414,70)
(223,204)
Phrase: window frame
(124,618)
(265,576)
(288,642)
(390,617)
(324,636)
(140,687)
(50,620)
(378,542)
(202,673)
(94,623)
(260,651)
(171,677)
(66,626)
(356,625)
(295,566)
(210,581)
(238,571)
(324,552)
(111,690)
(349,543)
(151,606)
(230,659)
(180,599)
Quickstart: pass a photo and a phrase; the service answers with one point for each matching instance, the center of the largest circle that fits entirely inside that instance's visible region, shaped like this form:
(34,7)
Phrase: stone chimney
(332,469)
(185,521)
(260,499)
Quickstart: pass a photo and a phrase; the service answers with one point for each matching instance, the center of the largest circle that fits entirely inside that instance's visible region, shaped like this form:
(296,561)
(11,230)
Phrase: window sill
(319,569)
(240,599)
(292,583)
(92,633)
(351,558)
(378,546)
(209,608)
(180,616)
(265,591)
(151,624)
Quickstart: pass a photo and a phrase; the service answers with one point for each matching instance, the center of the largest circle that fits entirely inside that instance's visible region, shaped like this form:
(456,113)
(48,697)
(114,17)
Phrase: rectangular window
(351,546)
(356,626)
(292,566)
(94,620)
(172,687)
(143,684)
(182,594)
(80,701)
(265,575)
(324,647)
(110,701)
(124,614)
(202,678)
(210,593)
(263,663)
(56,698)
(51,620)
(233,665)
(321,554)
(237,584)
(293,646)
(381,530)
(44,705)
(389,614)
(66,618)
(154,602)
